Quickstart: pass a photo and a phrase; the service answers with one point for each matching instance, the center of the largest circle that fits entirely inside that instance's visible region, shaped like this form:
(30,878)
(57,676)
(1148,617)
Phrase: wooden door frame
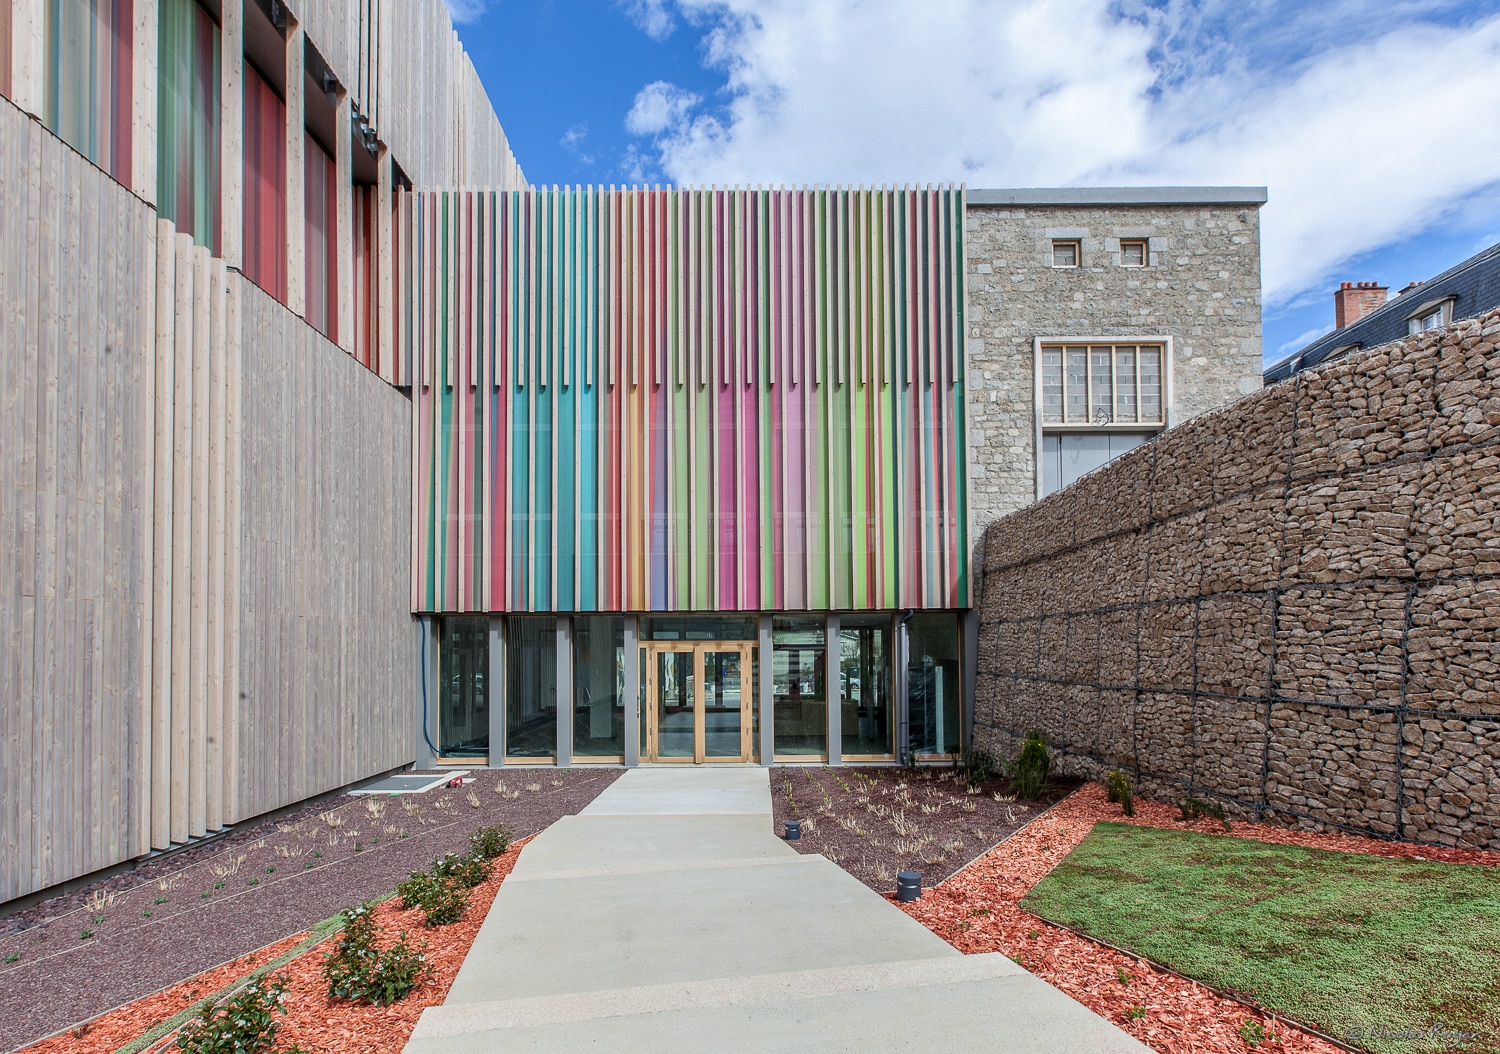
(698,649)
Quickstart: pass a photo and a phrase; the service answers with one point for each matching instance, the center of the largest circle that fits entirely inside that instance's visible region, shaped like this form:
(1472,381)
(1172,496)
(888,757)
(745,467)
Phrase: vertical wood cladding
(1291,604)
(75,513)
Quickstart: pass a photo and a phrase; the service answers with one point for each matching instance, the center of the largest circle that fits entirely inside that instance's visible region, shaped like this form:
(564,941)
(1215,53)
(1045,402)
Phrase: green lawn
(1341,941)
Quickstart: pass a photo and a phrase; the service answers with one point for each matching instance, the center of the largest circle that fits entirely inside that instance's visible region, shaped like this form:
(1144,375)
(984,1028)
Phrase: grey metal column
(564,690)
(496,692)
(970,657)
(427,688)
(902,657)
(632,692)
(767,700)
(834,690)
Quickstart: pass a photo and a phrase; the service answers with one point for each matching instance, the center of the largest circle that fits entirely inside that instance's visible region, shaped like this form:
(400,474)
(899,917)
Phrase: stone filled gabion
(1290,605)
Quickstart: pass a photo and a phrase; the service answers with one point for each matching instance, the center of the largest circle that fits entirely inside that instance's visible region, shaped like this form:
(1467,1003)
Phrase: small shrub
(977,765)
(416,889)
(1121,788)
(1252,1032)
(446,903)
(1028,770)
(467,871)
(359,970)
(1135,1013)
(243,1024)
(489,842)
(1191,809)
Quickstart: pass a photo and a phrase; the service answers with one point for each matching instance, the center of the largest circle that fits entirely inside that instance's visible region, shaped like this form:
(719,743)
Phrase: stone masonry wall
(1290,605)
(1201,288)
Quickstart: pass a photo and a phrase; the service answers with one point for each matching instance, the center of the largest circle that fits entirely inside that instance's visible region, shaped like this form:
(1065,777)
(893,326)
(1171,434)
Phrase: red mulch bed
(977,910)
(313,1020)
(119,1027)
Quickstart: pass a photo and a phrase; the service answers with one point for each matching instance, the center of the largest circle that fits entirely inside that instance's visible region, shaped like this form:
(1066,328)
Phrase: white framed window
(1134,252)
(1095,400)
(1067,252)
(1099,384)
(1434,314)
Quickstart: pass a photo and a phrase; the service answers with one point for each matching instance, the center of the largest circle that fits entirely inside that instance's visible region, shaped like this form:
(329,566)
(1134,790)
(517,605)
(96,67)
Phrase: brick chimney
(1353,300)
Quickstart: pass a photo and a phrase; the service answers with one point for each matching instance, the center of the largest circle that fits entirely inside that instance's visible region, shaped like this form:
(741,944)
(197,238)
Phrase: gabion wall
(1290,605)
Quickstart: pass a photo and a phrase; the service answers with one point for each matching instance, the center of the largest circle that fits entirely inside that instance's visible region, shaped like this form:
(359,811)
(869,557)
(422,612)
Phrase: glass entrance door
(698,701)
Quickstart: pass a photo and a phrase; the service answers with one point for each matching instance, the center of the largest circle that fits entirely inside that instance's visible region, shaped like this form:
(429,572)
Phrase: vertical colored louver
(320,197)
(188,117)
(366,231)
(88,86)
(5,46)
(265,185)
(686,400)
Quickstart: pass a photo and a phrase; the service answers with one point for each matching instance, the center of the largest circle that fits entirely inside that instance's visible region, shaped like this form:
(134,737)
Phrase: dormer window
(1433,314)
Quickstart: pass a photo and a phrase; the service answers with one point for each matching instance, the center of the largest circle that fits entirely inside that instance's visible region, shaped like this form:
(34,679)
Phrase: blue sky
(1376,125)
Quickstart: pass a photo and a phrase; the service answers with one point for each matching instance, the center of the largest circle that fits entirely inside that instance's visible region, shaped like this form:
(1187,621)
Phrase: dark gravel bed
(873,822)
(134,934)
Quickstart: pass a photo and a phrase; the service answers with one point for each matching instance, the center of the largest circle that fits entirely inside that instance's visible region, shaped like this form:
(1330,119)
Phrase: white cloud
(462,11)
(659,107)
(652,16)
(573,141)
(1367,120)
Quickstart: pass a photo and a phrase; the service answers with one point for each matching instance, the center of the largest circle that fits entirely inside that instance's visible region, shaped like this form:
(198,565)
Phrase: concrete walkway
(667,916)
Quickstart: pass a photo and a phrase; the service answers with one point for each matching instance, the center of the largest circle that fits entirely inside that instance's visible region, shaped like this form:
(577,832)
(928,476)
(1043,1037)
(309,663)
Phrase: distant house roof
(1473,286)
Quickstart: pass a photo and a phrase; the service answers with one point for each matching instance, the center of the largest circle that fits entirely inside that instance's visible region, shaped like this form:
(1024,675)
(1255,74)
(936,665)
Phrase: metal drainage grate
(409,783)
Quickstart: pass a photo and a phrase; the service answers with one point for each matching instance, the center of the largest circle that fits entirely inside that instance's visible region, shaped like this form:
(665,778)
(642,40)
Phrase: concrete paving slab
(668,790)
(668,916)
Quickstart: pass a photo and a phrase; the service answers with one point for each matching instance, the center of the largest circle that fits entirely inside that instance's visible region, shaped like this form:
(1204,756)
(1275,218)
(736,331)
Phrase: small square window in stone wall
(1066,254)
(1134,253)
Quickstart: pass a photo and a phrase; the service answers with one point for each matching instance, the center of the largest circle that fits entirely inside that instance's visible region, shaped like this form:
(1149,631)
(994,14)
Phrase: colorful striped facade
(686,400)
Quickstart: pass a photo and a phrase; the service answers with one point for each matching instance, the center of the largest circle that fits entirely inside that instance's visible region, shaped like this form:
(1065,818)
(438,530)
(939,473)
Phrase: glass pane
(1125,384)
(674,704)
(933,687)
(1150,384)
(1078,384)
(721,704)
(599,686)
(865,683)
(1102,402)
(1052,385)
(699,628)
(1064,254)
(799,692)
(531,687)
(463,697)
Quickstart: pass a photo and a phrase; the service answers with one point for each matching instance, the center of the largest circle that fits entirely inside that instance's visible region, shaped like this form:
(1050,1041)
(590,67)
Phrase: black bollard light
(793,830)
(908,886)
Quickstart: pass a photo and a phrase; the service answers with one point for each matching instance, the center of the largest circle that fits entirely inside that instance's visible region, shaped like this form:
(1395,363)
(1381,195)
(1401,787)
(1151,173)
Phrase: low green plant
(1028,770)
(1252,1032)
(1191,809)
(977,765)
(1135,1013)
(1123,975)
(146,914)
(467,871)
(359,970)
(14,957)
(85,935)
(416,889)
(446,903)
(1121,788)
(490,842)
(245,1023)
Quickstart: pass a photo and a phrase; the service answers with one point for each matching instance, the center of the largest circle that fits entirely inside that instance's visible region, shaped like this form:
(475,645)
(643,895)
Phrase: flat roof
(1119,196)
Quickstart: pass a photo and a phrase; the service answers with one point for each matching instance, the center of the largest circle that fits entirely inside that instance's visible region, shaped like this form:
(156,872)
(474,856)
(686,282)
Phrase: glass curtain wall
(187,121)
(531,687)
(320,197)
(865,686)
(599,687)
(89,86)
(265,185)
(463,688)
(799,686)
(933,687)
